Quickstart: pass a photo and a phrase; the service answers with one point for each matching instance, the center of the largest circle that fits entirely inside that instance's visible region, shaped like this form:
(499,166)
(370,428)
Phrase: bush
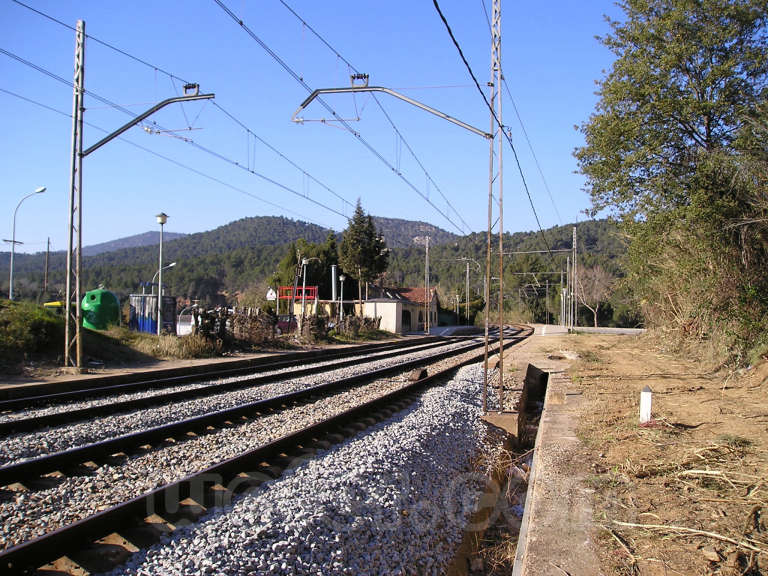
(25,329)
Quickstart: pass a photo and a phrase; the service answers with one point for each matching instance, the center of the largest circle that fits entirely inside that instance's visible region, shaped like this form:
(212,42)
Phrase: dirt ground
(687,494)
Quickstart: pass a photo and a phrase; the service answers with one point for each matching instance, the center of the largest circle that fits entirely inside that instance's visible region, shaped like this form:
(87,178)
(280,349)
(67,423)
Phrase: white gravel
(57,408)
(24,446)
(32,514)
(392,500)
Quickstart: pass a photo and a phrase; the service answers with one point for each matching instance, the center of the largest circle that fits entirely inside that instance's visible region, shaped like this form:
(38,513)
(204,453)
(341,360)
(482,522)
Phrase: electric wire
(188,140)
(331,111)
(283,156)
(381,107)
(103,43)
(496,120)
(174,77)
(169,159)
(522,125)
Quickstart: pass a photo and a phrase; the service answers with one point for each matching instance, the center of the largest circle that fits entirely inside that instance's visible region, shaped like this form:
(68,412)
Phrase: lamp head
(40,190)
(172,264)
(342,278)
(162,218)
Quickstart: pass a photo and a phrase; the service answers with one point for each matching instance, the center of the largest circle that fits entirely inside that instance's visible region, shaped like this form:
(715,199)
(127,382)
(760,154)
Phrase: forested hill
(146,239)
(399,233)
(245,254)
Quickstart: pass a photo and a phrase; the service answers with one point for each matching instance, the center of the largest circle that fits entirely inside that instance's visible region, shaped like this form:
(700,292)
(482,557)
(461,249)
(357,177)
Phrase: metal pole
(47,256)
(160,286)
(496,82)
(466,310)
(303,288)
(546,302)
(569,308)
(72,336)
(575,290)
(341,306)
(13,238)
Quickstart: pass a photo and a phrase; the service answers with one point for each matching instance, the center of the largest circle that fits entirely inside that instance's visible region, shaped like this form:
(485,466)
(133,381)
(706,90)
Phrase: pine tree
(363,253)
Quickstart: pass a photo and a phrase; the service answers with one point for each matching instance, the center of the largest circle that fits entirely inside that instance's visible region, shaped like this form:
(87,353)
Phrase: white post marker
(645,405)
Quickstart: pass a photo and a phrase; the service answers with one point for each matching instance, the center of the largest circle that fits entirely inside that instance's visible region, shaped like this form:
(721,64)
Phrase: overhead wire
(522,126)
(174,77)
(496,120)
(381,107)
(168,159)
(331,111)
(188,140)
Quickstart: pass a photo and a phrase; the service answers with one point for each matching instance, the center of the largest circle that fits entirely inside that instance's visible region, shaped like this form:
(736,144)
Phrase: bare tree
(594,287)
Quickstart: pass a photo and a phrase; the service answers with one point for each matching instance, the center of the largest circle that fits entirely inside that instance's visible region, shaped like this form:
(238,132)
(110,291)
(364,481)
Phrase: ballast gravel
(31,514)
(61,407)
(392,500)
(24,446)
(57,408)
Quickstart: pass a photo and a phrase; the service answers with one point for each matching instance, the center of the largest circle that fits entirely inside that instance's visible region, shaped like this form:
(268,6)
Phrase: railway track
(26,397)
(67,415)
(159,510)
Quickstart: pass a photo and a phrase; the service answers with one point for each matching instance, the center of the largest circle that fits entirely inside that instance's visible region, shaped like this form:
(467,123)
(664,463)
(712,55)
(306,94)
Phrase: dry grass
(688,494)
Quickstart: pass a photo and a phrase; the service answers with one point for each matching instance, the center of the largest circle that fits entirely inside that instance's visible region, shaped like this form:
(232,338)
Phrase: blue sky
(550,60)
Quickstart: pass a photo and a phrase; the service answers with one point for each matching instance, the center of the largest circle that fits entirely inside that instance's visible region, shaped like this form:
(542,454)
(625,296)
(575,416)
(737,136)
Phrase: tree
(687,72)
(663,153)
(363,253)
(593,288)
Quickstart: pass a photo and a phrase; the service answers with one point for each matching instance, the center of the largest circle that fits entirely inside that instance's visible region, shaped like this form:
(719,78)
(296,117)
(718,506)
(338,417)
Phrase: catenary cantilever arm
(416,103)
(141,117)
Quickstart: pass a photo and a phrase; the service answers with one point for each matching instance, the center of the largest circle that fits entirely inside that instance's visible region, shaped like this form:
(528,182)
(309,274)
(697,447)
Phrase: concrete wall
(389,311)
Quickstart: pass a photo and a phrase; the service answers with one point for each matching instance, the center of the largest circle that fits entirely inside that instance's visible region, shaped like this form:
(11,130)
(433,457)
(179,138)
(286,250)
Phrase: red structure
(286,293)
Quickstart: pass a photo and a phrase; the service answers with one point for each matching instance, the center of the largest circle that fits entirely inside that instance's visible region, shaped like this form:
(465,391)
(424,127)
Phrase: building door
(406,321)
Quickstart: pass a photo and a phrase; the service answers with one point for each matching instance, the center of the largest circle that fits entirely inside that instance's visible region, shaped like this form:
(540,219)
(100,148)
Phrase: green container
(101,308)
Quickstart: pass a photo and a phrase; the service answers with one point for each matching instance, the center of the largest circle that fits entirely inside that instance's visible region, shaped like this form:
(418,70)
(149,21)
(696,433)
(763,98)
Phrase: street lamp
(162,218)
(171,265)
(341,307)
(13,238)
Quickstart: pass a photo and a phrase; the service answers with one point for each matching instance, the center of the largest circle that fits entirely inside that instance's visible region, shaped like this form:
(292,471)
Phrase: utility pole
(45,274)
(427,302)
(73,318)
(546,301)
(466,310)
(497,130)
(73,314)
(575,284)
(562,301)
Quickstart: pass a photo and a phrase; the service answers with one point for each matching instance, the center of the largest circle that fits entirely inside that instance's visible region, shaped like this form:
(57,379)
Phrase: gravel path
(24,446)
(392,500)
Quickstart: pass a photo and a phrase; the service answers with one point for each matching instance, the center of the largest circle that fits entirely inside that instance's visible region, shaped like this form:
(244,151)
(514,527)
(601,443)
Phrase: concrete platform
(557,530)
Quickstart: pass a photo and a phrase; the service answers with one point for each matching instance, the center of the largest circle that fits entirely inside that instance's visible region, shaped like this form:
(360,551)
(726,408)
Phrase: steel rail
(27,396)
(71,416)
(35,467)
(26,557)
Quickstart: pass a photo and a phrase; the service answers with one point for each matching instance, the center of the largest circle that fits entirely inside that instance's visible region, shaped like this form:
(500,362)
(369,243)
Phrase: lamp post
(341,305)
(13,238)
(171,265)
(162,218)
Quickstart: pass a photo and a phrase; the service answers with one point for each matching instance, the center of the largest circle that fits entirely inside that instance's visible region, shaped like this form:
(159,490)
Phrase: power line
(283,156)
(188,140)
(102,42)
(495,118)
(331,111)
(168,159)
(173,77)
(381,107)
(522,126)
